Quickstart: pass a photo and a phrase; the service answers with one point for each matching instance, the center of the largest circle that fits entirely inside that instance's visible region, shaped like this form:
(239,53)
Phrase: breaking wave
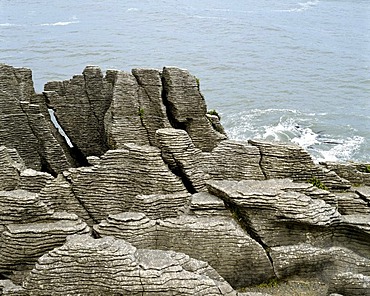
(292,126)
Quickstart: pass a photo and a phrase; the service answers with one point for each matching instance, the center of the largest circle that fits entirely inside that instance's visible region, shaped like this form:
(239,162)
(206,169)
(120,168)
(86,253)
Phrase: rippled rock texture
(147,196)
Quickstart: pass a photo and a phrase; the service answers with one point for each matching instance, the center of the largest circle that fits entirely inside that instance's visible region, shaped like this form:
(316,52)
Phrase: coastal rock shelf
(144,194)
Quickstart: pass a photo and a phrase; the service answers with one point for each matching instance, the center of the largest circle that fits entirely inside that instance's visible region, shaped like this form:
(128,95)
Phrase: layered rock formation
(153,199)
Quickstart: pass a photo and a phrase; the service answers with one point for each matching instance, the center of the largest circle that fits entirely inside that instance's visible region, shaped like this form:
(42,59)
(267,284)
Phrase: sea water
(292,70)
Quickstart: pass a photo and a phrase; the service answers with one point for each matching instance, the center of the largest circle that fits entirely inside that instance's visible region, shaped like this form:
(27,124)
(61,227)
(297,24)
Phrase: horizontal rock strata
(80,105)
(280,160)
(112,184)
(110,266)
(175,208)
(219,240)
(187,108)
(23,126)
(9,170)
(278,212)
(22,244)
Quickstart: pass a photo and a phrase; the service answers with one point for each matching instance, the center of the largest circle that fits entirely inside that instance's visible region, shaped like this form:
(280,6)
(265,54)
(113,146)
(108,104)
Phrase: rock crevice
(152,200)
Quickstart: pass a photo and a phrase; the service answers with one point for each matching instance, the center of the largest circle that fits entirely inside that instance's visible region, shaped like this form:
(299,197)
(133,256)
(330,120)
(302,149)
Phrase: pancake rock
(111,266)
(10,167)
(218,240)
(328,264)
(187,108)
(24,127)
(277,212)
(175,208)
(280,160)
(113,182)
(80,105)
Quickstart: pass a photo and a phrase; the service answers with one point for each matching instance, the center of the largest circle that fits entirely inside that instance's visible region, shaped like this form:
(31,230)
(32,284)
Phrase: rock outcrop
(153,199)
(23,126)
(111,266)
(218,240)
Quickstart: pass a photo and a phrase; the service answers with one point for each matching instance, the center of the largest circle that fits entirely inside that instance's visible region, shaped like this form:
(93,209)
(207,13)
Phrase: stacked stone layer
(151,168)
(114,267)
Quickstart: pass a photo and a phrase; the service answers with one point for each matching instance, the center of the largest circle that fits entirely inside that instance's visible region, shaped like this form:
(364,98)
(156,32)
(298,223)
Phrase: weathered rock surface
(153,112)
(352,202)
(123,121)
(356,173)
(187,108)
(22,244)
(230,160)
(9,169)
(110,266)
(278,211)
(20,206)
(80,105)
(58,196)
(158,172)
(292,161)
(351,284)
(205,204)
(324,264)
(22,124)
(112,184)
(218,240)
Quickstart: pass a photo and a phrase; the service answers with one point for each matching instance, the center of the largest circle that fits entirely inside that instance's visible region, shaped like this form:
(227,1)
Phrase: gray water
(292,70)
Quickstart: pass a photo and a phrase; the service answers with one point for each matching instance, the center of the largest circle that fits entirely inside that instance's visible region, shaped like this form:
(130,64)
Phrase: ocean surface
(292,70)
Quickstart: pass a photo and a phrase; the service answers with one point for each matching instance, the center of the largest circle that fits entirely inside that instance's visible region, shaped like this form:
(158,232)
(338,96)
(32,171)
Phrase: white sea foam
(133,9)
(60,23)
(342,151)
(289,130)
(292,126)
(301,6)
(8,25)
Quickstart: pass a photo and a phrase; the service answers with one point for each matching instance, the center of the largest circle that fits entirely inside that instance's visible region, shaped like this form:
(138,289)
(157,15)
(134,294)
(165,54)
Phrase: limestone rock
(187,108)
(356,173)
(20,206)
(280,160)
(80,105)
(54,157)
(221,242)
(9,173)
(351,284)
(205,204)
(8,288)
(59,196)
(123,120)
(34,181)
(111,266)
(229,160)
(218,240)
(364,193)
(160,206)
(309,262)
(278,211)
(232,160)
(22,124)
(15,131)
(179,152)
(153,111)
(351,203)
(111,185)
(354,233)
(133,227)
(22,244)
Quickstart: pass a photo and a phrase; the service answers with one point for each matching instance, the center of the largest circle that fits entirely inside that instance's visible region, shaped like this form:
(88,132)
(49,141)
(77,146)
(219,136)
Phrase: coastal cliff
(148,196)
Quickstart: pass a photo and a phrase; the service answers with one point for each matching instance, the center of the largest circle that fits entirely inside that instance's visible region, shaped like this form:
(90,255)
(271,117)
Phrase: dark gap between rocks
(244,222)
(74,151)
